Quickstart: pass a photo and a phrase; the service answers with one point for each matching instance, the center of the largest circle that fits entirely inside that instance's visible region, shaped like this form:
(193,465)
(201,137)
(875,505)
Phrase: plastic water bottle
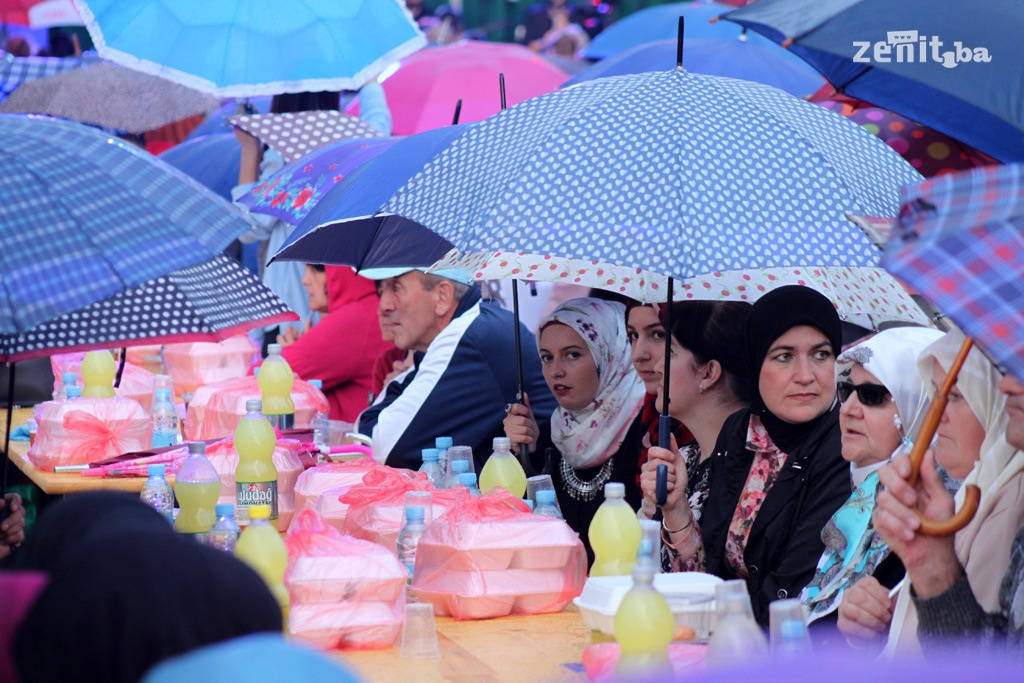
(614,534)
(468,479)
(157,494)
(224,532)
(459,467)
(165,420)
(737,637)
(546,504)
(74,392)
(276,380)
(321,424)
(643,628)
(409,538)
(788,626)
(503,469)
(442,444)
(432,468)
(650,544)
(67,379)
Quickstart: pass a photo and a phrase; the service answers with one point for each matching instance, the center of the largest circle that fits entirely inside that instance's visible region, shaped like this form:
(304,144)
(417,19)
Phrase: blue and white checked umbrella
(673,172)
(959,241)
(241,48)
(84,215)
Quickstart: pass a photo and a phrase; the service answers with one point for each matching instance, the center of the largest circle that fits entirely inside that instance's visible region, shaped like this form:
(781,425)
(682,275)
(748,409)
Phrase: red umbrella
(932,153)
(423,88)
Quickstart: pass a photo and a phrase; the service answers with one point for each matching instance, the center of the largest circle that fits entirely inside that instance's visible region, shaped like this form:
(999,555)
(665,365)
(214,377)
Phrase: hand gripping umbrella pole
(972,494)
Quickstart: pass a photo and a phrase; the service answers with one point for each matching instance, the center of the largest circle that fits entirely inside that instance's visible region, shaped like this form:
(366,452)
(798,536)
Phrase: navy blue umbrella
(213,160)
(950,65)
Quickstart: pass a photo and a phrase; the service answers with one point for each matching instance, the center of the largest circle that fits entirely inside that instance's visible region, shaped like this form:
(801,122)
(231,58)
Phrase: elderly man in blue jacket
(464,370)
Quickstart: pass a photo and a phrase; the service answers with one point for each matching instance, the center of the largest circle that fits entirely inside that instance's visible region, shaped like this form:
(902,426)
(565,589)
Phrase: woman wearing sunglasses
(776,472)
(970,445)
(883,400)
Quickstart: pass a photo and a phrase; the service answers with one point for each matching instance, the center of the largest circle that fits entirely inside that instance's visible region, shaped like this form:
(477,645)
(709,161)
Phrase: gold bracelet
(677,531)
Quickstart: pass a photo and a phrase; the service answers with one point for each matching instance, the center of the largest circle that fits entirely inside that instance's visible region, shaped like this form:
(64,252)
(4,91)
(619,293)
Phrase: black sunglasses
(867,394)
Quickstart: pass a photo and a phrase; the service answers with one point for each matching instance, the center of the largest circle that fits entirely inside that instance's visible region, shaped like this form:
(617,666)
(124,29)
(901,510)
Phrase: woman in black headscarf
(124,595)
(777,473)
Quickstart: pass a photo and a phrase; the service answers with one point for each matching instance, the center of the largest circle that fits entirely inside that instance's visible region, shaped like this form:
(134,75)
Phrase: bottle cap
(502,443)
(273,350)
(68,377)
(443,442)
(225,510)
(614,489)
(643,573)
(318,383)
(154,470)
(195,447)
(545,497)
(414,513)
(467,479)
(74,392)
(460,466)
(163,395)
(256,372)
(259,512)
(254,405)
(529,504)
(430,455)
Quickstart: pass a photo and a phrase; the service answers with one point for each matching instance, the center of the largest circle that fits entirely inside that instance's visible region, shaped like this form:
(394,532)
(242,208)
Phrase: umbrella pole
(665,420)
(120,367)
(679,43)
(7,437)
(458,111)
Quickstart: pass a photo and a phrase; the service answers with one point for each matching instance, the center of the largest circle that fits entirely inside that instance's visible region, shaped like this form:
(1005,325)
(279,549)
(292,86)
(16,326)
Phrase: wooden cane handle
(963,516)
(930,423)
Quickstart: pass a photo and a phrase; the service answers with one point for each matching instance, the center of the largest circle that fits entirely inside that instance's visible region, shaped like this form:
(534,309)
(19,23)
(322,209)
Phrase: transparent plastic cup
(419,633)
(788,626)
(458,453)
(734,587)
(538,483)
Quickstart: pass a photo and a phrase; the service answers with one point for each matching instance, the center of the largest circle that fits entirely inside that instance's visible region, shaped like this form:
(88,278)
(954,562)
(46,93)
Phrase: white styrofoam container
(690,595)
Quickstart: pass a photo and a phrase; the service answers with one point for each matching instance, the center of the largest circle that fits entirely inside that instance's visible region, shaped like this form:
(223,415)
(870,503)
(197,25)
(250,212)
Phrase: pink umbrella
(423,88)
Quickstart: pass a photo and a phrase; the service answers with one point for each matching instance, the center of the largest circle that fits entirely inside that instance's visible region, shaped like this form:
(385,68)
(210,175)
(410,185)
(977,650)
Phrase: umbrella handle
(661,485)
(972,494)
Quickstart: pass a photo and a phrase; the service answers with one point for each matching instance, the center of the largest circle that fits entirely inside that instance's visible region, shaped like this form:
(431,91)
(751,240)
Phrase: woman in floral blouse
(777,473)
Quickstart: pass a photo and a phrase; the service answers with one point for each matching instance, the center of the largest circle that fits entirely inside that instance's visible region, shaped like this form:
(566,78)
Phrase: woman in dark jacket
(777,473)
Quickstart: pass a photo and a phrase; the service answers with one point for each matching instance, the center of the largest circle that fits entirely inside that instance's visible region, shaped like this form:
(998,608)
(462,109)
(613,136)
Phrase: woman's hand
(931,561)
(12,530)
(865,613)
(252,155)
(676,509)
(520,425)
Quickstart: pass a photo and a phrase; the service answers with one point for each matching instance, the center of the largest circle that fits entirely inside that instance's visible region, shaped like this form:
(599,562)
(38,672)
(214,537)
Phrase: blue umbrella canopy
(213,160)
(674,172)
(728,57)
(239,48)
(957,69)
(84,215)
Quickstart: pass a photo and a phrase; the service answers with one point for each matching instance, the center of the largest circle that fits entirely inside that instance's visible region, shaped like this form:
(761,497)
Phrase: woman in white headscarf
(585,356)
(883,400)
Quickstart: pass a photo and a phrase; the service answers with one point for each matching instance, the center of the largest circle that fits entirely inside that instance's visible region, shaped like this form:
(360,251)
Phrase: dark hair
(305,101)
(319,267)
(713,330)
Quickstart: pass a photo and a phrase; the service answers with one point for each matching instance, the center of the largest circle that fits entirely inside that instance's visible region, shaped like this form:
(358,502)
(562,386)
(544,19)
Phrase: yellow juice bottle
(503,469)
(614,534)
(643,628)
(261,547)
(276,380)
(98,370)
(255,475)
(197,488)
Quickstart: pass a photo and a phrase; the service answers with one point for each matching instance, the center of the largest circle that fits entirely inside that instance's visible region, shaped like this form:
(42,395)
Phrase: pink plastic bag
(489,556)
(377,505)
(216,409)
(195,364)
(87,430)
(337,477)
(345,593)
(286,459)
(136,382)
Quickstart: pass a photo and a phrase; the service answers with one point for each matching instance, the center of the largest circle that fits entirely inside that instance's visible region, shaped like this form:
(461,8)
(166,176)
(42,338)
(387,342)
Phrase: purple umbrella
(293,191)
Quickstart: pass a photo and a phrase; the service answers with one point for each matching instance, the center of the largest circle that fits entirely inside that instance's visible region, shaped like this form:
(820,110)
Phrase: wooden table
(512,649)
(65,482)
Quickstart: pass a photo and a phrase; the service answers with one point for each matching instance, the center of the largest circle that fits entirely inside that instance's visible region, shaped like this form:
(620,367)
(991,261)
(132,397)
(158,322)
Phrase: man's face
(1014,391)
(408,311)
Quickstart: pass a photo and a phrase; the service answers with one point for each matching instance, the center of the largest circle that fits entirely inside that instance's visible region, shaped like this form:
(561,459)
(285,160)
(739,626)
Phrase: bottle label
(248,494)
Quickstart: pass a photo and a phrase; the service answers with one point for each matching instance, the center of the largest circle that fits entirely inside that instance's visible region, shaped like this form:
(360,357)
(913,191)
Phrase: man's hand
(12,530)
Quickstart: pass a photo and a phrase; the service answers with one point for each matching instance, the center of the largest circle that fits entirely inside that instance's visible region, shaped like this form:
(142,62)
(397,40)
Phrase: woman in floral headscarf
(883,401)
(585,355)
